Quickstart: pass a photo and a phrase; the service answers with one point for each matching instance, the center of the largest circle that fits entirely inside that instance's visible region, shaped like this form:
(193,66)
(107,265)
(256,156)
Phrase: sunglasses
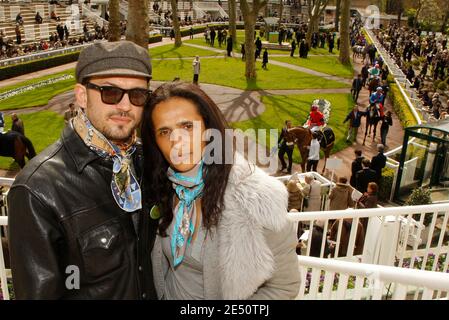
(113,95)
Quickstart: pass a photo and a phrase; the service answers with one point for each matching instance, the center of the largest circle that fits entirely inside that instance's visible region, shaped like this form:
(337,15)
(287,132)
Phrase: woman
(341,196)
(312,192)
(223,232)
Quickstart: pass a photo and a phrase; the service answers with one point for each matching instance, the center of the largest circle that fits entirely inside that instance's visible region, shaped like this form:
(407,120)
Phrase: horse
(358,52)
(14,144)
(303,136)
(373,116)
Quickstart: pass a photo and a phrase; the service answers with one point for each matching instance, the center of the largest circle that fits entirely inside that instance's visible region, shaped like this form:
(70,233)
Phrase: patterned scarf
(188,187)
(125,187)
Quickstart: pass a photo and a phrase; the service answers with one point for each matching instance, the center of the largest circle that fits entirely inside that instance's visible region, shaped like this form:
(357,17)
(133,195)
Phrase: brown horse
(14,144)
(303,136)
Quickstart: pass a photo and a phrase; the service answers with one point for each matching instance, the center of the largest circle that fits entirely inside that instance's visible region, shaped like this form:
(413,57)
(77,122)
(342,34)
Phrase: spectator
(18,34)
(294,195)
(265,59)
(356,166)
(378,162)
(344,238)
(365,176)
(365,74)
(38,18)
(341,196)
(368,200)
(19,19)
(196,69)
(292,51)
(54,16)
(314,153)
(242,51)
(312,192)
(229,46)
(17,124)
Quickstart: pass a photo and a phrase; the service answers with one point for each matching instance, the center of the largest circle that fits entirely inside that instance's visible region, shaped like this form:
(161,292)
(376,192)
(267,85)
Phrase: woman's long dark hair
(216,177)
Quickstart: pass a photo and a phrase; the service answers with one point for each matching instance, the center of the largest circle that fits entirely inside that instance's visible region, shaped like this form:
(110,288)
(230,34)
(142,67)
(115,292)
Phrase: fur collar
(254,204)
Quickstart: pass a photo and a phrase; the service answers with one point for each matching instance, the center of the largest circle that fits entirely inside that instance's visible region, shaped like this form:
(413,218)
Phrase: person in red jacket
(316,118)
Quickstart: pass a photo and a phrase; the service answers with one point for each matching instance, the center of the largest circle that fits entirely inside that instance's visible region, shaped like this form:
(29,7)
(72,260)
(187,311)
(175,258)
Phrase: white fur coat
(253,255)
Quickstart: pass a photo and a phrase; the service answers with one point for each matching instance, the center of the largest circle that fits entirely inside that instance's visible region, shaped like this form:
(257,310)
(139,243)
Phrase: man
(356,166)
(364,176)
(196,69)
(378,162)
(229,46)
(314,153)
(292,51)
(17,124)
(70,113)
(38,18)
(286,147)
(365,74)
(258,45)
(354,118)
(77,227)
(386,123)
(357,85)
(265,59)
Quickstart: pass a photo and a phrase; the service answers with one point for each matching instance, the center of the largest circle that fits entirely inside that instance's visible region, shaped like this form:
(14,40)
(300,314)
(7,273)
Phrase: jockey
(375,71)
(376,99)
(316,119)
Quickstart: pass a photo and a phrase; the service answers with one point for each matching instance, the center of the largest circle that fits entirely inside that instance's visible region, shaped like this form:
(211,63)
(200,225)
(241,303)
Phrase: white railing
(392,237)
(88,13)
(342,280)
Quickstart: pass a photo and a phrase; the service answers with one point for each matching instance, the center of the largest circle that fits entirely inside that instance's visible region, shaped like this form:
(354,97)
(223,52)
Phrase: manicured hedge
(37,65)
(400,106)
(386,183)
(154,39)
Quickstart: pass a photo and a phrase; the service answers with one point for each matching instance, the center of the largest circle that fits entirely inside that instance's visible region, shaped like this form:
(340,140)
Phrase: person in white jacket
(196,69)
(314,153)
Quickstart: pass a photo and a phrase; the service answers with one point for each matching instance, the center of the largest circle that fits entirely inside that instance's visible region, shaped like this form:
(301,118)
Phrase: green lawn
(230,72)
(297,108)
(42,128)
(169,51)
(326,64)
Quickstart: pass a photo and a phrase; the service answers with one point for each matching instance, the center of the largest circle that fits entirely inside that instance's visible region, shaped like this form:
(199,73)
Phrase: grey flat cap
(121,58)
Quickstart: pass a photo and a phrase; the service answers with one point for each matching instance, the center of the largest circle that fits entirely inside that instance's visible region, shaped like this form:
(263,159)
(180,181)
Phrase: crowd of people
(59,39)
(424,59)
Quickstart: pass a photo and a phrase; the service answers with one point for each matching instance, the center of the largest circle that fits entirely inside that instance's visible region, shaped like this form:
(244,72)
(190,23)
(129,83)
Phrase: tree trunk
(446,19)
(250,48)
(137,28)
(418,11)
(176,27)
(250,18)
(337,15)
(344,32)
(400,11)
(232,21)
(316,8)
(114,20)
(281,11)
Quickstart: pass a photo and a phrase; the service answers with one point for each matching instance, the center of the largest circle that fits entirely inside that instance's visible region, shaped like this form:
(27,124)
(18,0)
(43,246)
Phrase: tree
(400,10)
(281,11)
(445,20)
(232,21)
(337,15)
(344,32)
(137,28)
(418,11)
(316,8)
(114,20)
(250,14)
(175,19)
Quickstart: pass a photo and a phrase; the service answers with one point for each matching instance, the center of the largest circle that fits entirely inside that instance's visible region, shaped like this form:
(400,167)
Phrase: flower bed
(20,90)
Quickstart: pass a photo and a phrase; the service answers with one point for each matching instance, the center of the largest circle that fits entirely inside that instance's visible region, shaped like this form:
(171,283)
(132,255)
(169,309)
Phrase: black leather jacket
(62,213)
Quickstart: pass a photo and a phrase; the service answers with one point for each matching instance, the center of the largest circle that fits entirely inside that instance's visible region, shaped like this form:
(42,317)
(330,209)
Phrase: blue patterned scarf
(124,186)
(188,187)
